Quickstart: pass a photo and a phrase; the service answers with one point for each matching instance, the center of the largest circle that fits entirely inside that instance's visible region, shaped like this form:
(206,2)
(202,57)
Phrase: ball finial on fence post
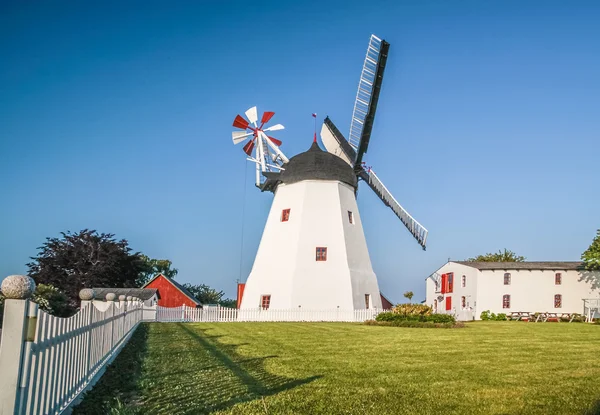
(111,297)
(18,287)
(87,294)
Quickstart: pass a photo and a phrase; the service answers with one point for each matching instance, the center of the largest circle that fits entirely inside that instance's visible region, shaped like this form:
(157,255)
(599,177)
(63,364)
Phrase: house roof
(180,287)
(141,293)
(528,265)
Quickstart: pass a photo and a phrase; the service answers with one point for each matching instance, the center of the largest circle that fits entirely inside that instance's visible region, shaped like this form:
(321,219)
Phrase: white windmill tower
(313,253)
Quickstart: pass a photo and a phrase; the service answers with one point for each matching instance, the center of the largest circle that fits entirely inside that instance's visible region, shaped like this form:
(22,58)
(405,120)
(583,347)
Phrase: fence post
(110,298)
(15,331)
(87,296)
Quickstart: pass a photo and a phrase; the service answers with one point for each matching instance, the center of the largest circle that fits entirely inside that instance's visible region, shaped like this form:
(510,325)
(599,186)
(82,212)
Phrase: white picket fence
(48,361)
(224,314)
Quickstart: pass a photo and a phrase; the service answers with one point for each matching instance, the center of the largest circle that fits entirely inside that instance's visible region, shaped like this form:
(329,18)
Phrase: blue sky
(116,116)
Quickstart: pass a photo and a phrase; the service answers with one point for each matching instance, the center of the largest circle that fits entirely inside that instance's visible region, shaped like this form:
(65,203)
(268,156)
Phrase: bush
(412,309)
(430,318)
(489,316)
(414,324)
(52,300)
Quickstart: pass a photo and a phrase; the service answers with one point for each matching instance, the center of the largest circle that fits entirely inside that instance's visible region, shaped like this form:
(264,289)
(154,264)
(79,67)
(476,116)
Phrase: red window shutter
(448,303)
(444,282)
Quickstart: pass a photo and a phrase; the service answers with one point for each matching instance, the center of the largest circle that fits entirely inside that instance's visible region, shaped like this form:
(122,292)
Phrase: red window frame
(450,282)
(321,253)
(265,301)
(464,281)
(558,278)
(350,217)
(557,300)
(506,301)
(507,278)
(448,303)
(285,215)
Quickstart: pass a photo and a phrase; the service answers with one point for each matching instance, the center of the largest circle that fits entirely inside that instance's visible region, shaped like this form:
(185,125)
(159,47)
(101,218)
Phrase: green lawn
(339,368)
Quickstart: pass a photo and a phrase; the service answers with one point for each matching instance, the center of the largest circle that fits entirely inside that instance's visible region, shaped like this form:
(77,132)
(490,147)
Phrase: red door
(448,303)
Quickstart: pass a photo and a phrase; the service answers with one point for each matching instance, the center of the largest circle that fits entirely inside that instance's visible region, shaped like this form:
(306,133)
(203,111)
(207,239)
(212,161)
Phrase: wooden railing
(47,362)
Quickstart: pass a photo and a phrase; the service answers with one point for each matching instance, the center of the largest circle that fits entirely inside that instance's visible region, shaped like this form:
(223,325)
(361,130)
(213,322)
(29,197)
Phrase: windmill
(354,149)
(313,253)
(267,155)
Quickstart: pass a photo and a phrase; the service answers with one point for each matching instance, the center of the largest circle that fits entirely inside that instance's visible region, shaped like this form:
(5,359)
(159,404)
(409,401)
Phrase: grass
(338,368)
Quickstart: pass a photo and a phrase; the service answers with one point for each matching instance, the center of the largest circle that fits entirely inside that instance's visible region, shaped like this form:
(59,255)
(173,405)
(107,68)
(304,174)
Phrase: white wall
(533,291)
(285,265)
(469,291)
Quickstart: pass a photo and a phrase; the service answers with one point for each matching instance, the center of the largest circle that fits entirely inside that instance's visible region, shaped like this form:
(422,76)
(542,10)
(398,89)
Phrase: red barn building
(171,293)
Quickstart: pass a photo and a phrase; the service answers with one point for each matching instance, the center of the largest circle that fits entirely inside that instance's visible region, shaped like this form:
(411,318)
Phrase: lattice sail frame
(414,227)
(364,92)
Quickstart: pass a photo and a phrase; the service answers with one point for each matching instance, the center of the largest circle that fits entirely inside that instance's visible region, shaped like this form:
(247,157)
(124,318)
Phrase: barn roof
(141,293)
(180,287)
(528,265)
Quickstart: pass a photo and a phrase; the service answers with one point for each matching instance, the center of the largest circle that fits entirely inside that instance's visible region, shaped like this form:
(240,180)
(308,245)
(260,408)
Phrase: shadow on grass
(120,381)
(219,379)
(594,410)
(182,370)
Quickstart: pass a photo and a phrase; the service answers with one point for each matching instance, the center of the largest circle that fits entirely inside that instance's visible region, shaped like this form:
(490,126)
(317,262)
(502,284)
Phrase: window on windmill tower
(464,280)
(350,217)
(367,301)
(285,215)
(265,302)
(506,301)
(463,301)
(507,278)
(321,254)
(558,278)
(557,301)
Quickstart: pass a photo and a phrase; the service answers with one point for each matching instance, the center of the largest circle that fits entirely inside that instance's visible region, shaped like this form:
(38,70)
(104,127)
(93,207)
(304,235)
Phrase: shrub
(501,317)
(440,318)
(485,315)
(52,300)
(430,318)
(412,309)
(414,324)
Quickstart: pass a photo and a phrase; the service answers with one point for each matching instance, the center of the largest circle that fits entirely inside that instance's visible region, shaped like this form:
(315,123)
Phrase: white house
(465,289)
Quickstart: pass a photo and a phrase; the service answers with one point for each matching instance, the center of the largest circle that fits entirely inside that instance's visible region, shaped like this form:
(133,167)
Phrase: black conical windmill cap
(316,164)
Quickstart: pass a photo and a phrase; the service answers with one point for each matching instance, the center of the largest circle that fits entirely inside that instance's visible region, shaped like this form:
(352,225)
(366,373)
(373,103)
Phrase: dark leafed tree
(205,294)
(591,262)
(84,260)
(409,295)
(500,256)
(153,267)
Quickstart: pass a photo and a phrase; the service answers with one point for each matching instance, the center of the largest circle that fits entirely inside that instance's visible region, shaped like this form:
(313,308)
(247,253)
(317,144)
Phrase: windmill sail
(367,96)
(414,227)
(336,143)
